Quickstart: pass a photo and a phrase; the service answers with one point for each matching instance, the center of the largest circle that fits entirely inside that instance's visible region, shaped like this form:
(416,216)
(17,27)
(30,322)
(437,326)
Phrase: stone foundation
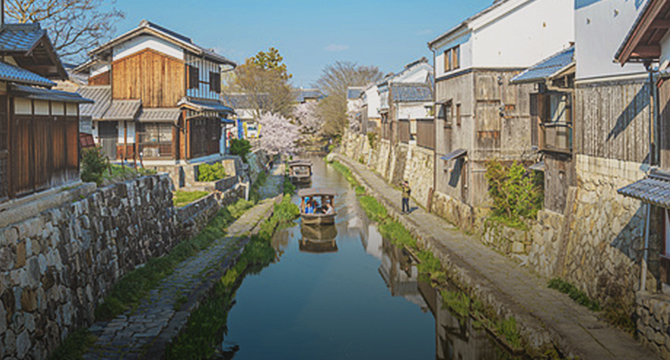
(59,263)
(653,324)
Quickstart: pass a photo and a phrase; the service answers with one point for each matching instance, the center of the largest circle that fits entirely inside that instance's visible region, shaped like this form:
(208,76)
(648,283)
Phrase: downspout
(435,160)
(652,132)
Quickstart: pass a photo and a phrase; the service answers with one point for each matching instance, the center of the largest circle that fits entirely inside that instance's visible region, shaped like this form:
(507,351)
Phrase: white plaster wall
(373,101)
(131,132)
(600,28)
(147,42)
(412,111)
(417,74)
(530,31)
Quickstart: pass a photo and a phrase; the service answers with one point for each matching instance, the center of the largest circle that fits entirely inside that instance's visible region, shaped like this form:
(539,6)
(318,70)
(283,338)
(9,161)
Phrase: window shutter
(193,77)
(215,82)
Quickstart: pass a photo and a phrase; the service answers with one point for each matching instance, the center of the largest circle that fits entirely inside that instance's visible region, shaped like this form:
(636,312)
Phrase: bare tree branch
(74,26)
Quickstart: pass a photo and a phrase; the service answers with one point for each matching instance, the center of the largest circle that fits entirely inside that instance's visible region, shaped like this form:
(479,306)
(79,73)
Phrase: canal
(344,292)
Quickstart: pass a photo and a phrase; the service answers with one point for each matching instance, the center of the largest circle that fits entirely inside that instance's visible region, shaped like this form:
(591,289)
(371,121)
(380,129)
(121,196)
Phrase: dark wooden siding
(4,153)
(100,79)
(204,137)
(664,126)
(44,152)
(403,131)
(157,79)
(425,133)
(611,120)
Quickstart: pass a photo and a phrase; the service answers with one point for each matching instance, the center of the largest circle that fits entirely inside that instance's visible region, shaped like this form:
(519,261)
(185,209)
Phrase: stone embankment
(546,317)
(146,331)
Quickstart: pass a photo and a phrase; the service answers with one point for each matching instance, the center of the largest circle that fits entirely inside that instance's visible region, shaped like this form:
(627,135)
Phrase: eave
(643,42)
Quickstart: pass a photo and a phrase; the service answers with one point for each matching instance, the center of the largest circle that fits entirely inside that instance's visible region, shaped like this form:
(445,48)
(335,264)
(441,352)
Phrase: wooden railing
(555,137)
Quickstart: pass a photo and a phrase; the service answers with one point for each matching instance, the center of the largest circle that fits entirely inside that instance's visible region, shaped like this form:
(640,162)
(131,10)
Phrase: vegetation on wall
(93,165)
(213,172)
(182,198)
(517,194)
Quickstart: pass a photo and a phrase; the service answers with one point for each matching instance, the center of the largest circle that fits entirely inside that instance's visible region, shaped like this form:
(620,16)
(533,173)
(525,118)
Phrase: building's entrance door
(108,134)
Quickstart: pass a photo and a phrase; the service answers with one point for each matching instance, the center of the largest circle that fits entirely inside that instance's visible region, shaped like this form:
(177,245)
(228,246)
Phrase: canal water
(344,292)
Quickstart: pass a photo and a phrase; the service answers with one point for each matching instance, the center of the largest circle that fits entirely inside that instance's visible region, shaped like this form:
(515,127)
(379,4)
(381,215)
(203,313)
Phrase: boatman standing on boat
(406,192)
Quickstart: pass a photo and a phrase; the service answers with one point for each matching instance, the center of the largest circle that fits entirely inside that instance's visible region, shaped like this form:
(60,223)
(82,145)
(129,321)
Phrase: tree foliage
(240,147)
(264,80)
(93,165)
(278,134)
(334,81)
(74,26)
(310,122)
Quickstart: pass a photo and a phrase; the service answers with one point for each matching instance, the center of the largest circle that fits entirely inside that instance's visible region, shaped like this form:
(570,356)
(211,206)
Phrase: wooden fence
(425,133)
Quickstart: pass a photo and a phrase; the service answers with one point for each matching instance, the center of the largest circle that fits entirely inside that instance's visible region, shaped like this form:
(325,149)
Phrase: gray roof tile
(47,94)
(20,37)
(14,73)
(547,67)
(123,110)
(102,97)
(205,105)
(404,92)
(160,115)
(655,189)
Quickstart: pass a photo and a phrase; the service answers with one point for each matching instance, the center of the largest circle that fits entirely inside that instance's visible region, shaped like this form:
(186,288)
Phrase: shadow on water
(327,297)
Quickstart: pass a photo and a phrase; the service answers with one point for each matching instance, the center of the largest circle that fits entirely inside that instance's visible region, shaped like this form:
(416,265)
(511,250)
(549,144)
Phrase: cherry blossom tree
(278,134)
(354,115)
(311,124)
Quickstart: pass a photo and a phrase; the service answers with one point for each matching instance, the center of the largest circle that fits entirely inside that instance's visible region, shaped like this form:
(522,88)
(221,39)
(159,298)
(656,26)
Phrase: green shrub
(372,139)
(214,172)
(516,194)
(181,198)
(93,165)
(374,210)
(240,147)
(456,301)
(508,329)
(288,187)
(75,346)
(345,171)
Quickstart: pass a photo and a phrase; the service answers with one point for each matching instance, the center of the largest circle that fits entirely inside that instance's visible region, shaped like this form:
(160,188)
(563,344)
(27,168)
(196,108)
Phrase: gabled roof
(547,68)
(160,115)
(465,23)
(16,74)
(29,44)
(643,39)
(147,27)
(244,101)
(102,97)
(404,92)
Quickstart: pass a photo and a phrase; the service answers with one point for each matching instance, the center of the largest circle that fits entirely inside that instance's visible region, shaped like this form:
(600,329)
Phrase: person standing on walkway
(406,193)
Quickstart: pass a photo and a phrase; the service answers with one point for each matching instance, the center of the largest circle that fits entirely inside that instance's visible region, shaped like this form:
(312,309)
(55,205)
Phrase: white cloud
(336,47)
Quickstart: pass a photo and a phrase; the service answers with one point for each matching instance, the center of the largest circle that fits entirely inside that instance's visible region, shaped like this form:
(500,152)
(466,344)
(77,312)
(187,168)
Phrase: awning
(316,192)
(205,105)
(160,115)
(34,93)
(123,110)
(455,154)
(548,68)
(540,166)
(654,189)
(228,121)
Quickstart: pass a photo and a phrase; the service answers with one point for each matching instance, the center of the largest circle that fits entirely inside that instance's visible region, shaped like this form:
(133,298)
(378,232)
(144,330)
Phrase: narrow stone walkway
(147,330)
(574,328)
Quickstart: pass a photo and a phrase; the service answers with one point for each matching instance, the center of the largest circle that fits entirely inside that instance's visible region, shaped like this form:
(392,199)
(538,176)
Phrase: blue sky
(309,34)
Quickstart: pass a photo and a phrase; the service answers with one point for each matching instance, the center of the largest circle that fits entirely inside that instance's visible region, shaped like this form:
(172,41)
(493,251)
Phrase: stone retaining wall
(59,263)
(653,322)
(196,215)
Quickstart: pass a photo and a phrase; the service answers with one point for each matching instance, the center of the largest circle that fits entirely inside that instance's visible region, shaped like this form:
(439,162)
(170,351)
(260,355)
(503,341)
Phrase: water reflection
(336,305)
(318,239)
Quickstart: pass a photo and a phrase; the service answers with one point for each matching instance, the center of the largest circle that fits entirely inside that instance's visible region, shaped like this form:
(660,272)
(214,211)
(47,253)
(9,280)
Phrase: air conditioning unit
(150,152)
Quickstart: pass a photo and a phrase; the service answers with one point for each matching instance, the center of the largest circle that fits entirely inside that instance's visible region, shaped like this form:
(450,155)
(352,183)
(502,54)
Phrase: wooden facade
(100,79)
(425,133)
(404,135)
(158,79)
(39,149)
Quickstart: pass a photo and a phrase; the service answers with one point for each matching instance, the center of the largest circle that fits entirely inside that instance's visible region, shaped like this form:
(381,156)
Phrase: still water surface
(343,292)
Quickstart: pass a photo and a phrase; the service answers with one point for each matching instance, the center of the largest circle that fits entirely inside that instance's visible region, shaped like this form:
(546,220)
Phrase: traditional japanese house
(551,123)
(39,127)
(158,98)
(479,114)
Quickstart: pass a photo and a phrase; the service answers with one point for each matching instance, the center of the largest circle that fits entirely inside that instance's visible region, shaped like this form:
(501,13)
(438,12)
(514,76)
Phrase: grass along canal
(340,292)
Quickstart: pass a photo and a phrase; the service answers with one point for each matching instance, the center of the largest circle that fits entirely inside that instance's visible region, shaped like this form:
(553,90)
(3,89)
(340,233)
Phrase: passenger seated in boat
(329,209)
(309,208)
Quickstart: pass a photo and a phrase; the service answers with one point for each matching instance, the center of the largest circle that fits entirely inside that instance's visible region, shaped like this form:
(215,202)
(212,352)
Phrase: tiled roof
(20,37)
(411,92)
(102,97)
(14,73)
(205,105)
(302,94)
(244,101)
(354,92)
(47,94)
(547,67)
(123,110)
(160,115)
(655,189)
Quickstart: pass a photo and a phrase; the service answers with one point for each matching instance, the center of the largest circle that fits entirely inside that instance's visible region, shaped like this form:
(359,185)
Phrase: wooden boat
(318,239)
(300,171)
(324,213)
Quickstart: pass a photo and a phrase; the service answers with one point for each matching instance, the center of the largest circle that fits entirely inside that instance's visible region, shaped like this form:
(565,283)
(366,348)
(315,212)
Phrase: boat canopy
(300,163)
(316,192)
